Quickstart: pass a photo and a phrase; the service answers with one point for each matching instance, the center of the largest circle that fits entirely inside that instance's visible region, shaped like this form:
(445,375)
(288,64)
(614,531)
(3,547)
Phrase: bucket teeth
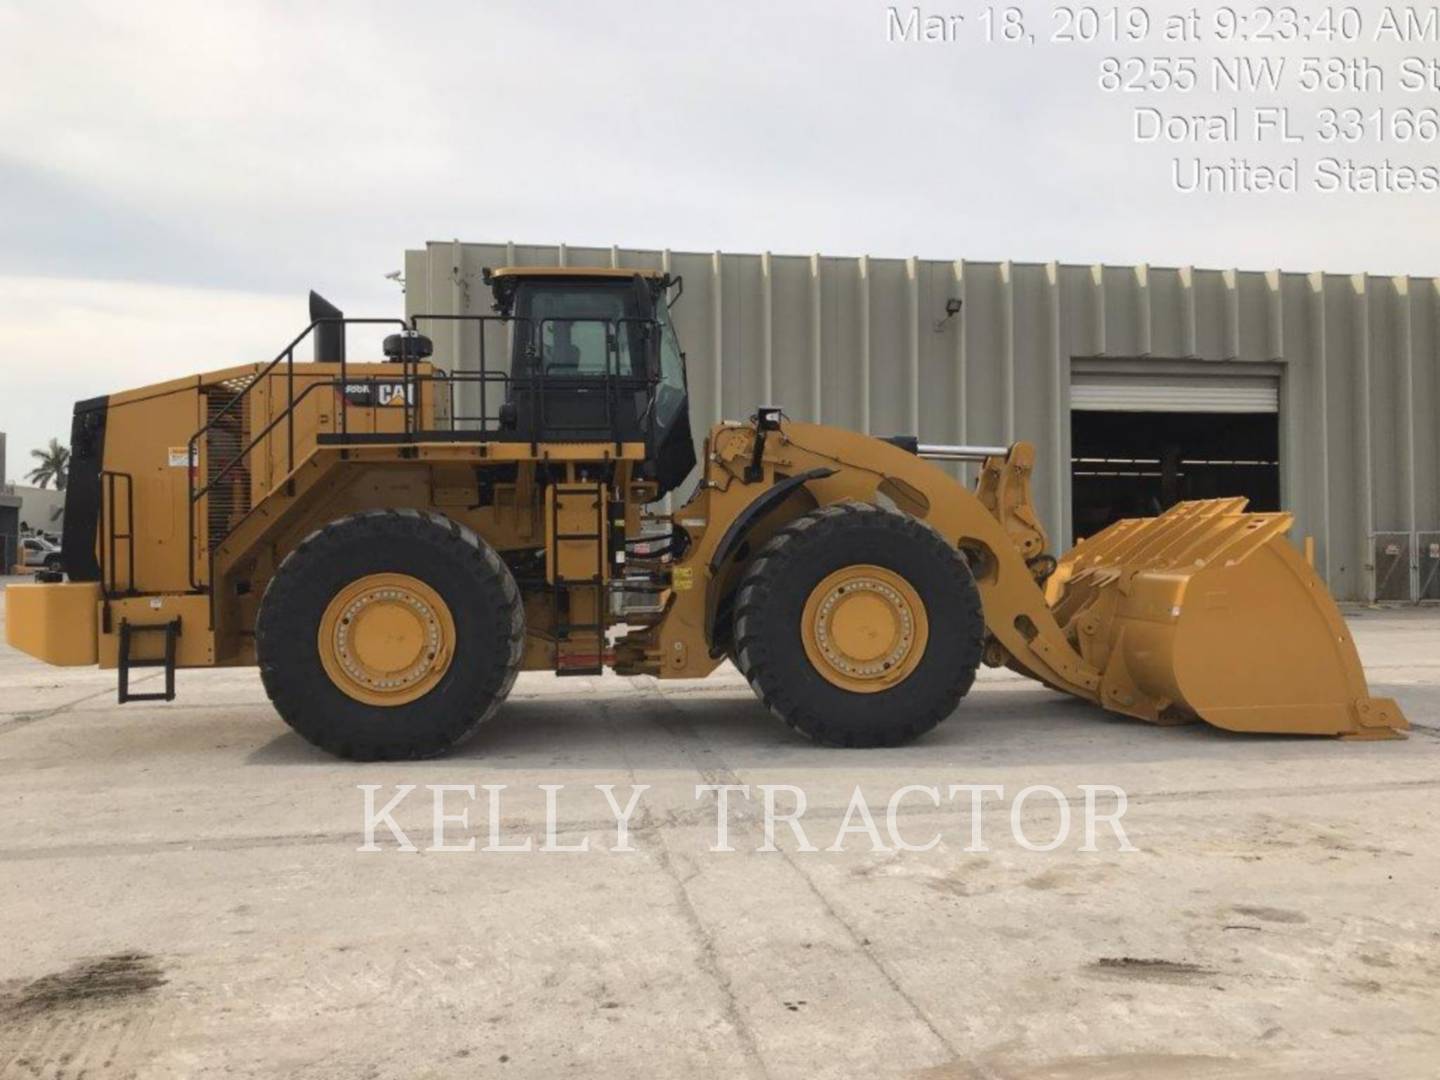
(1207,612)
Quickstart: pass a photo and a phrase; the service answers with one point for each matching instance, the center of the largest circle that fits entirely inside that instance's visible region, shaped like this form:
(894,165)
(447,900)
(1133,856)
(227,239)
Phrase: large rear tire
(859,626)
(390,634)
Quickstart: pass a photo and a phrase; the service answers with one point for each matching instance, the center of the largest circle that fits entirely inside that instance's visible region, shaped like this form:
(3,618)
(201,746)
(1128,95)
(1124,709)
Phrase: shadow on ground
(995,726)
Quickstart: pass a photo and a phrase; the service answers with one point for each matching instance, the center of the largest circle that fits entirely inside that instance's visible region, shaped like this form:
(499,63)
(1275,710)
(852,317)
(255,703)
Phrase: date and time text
(1244,98)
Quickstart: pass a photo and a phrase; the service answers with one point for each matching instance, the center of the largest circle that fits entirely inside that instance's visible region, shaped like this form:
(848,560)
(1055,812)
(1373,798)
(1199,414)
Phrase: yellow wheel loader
(391,543)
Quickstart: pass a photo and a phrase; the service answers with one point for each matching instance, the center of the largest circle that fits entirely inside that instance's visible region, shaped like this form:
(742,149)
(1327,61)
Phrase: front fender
(722,586)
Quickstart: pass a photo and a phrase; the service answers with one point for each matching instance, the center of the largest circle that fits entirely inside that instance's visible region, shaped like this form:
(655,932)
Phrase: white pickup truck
(37,553)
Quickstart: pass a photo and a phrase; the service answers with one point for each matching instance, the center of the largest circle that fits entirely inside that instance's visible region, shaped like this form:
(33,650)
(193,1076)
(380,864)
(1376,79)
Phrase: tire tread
(292,593)
(779,562)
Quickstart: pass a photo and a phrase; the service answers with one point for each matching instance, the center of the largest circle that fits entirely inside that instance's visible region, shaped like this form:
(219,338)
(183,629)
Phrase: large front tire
(859,626)
(390,634)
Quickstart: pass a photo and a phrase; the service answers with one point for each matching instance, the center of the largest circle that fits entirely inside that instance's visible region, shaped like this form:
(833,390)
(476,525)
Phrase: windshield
(574,324)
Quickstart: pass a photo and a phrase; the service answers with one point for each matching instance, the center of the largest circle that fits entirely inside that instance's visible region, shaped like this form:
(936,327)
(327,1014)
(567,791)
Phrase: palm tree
(54,465)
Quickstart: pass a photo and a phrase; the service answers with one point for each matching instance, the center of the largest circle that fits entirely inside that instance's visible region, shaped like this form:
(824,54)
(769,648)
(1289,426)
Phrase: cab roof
(505,280)
(572,271)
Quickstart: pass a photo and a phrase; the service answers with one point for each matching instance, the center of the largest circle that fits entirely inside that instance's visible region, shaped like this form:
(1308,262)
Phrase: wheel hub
(864,628)
(386,639)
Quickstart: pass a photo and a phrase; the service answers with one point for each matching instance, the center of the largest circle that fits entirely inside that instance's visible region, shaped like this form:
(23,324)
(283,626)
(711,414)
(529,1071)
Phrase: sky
(174,177)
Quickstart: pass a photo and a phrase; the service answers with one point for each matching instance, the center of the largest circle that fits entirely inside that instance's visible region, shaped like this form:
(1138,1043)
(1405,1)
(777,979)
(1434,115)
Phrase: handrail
(265,432)
(109,583)
(535,379)
(288,355)
(412,382)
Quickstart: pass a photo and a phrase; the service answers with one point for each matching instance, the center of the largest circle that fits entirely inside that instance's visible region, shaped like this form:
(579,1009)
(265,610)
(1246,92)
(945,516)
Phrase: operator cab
(594,357)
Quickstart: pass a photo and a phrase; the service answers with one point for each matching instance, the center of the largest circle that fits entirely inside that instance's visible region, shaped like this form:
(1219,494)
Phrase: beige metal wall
(863,342)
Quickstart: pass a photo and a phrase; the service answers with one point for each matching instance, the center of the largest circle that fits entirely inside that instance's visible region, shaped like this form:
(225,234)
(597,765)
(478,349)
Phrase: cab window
(672,361)
(571,326)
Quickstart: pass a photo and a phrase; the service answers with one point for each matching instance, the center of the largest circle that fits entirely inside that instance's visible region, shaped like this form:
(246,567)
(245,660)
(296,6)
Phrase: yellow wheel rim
(386,639)
(864,628)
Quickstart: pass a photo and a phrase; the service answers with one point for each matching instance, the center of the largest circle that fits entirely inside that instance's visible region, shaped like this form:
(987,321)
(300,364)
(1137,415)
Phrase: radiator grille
(228,499)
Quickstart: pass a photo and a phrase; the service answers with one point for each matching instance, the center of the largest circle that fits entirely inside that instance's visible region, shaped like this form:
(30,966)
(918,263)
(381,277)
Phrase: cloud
(251,150)
(70,339)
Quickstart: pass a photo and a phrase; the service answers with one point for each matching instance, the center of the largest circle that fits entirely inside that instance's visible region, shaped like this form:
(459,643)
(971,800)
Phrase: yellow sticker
(682,578)
(179,457)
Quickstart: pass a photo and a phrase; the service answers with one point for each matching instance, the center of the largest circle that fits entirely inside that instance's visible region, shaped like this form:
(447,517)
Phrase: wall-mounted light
(952,308)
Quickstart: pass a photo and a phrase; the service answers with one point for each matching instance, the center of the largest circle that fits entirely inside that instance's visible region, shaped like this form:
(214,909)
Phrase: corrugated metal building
(1317,392)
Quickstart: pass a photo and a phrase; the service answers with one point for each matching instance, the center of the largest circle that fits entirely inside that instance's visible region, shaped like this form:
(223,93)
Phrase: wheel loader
(391,543)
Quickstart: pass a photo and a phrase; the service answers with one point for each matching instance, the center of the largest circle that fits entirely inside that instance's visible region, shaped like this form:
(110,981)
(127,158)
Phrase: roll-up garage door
(1107,392)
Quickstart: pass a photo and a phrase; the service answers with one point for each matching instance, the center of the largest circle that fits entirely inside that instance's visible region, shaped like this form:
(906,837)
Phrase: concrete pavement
(181,893)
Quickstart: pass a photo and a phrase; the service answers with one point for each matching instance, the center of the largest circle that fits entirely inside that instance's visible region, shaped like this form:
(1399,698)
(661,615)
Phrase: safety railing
(522,391)
(287,415)
(533,375)
(110,511)
(233,408)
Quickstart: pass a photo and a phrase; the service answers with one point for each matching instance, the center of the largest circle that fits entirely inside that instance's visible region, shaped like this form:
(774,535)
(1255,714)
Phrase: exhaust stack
(329,336)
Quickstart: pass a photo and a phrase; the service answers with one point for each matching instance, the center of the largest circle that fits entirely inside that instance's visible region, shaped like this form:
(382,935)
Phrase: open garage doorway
(1140,445)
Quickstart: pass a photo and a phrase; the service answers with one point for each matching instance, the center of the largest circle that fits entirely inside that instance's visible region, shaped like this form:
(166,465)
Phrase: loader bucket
(1208,612)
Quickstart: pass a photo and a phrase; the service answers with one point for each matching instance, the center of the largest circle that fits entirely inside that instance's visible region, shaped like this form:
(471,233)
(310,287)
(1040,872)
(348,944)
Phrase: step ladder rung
(127,663)
(589,658)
